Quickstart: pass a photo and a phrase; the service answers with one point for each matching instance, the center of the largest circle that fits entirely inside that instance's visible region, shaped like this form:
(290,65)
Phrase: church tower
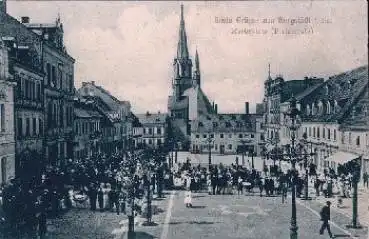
(196,79)
(182,63)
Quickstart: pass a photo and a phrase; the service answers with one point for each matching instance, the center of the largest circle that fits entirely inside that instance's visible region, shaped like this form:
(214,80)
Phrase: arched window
(328,107)
(3,170)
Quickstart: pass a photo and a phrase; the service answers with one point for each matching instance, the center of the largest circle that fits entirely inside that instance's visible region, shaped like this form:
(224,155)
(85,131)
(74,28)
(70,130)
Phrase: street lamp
(355,167)
(209,140)
(293,124)
(243,142)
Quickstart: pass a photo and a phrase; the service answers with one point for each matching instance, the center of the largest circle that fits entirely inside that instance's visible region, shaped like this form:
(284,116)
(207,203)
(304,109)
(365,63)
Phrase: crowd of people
(102,183)
(270,181)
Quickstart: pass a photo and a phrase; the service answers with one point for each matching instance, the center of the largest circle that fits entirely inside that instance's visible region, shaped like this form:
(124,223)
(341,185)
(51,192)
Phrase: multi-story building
(25,65)
(137,132)
(87,128)
(58,85)
(335,119)
(228,133)
(154,128)
(7,139)
(116,125)
(278,91)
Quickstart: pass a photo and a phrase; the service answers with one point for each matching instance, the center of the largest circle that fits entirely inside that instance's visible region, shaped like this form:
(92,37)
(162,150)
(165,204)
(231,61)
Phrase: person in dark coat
(93,196)
(100,198)
(325,215)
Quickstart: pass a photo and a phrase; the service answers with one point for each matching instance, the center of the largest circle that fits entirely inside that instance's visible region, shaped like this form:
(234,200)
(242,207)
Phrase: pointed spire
(269,77)
(182,49)
(197,62)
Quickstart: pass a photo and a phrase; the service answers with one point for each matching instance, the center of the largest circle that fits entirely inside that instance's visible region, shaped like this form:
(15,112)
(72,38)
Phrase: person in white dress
(188,199)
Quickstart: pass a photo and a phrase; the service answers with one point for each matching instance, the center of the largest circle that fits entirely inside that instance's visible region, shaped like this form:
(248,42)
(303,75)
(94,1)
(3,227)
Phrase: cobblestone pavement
(213,216)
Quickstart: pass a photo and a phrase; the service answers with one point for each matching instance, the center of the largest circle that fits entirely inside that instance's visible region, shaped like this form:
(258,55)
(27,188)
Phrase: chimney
(247,110)
(3,6)
(213,105)
(93,82)
(84,84)
(216,108)
(25,19)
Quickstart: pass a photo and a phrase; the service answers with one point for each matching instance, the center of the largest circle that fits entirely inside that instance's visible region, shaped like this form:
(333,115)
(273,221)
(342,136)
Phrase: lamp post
(131,213)
(209,140)
(243,142)
(293,125)
(355,167)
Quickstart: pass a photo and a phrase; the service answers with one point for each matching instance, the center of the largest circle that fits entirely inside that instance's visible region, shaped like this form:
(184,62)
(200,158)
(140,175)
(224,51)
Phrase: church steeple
(182,49)
(269,77)
(196,73)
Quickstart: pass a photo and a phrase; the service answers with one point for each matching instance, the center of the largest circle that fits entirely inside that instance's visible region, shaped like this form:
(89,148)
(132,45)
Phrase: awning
(341,157)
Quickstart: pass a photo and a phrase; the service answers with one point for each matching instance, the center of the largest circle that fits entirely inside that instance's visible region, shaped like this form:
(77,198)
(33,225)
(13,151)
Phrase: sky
(129,47)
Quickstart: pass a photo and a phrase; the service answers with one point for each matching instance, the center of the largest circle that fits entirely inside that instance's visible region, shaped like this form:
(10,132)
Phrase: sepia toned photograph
(184,119)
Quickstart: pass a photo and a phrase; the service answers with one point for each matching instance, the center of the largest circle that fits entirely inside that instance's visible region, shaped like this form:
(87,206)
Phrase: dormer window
(313,109)
(328,107)
(320,108)
(308,110)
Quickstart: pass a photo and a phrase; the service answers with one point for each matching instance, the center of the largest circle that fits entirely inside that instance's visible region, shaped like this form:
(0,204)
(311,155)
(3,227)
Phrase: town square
(184,120)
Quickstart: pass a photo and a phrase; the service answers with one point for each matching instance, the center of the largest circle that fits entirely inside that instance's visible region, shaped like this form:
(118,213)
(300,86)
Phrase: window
(252,136)
(34,126)
(19,127)
(329,134)
(159,141)
(309,131)
(212,136)
(230,146)
(60,74)
(240,136)
(323,133)
(318,132)
(314,132)
(28,126)
(158,130)
(197,136)
(204,136)
(150,130)
(48,73)
(328,108)
(334,134)
(216,147)
(150,141)
(3,170)
(2,117)
(358,141)
(221,136)
(53,76)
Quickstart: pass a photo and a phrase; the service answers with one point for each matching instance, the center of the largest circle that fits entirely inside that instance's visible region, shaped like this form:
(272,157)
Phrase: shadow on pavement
(341,236)
(198,196)
(143,235)
(197,207)
(192,222)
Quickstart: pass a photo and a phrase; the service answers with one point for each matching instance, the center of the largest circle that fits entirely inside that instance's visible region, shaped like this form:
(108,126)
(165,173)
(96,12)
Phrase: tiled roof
(341,91)
(295,87)
(159,118)
(224,123)
(135,120)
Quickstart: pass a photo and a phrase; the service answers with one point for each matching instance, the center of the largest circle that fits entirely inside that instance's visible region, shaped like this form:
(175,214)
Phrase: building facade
(58,85)
(334,118)
(87,129)
(154,129)
(7,135)
(228,134)
(116,123)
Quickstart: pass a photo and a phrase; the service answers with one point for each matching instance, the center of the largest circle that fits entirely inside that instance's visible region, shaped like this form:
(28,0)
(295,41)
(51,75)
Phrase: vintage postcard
(184,120)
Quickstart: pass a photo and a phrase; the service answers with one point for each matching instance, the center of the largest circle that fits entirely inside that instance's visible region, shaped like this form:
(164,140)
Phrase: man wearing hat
(325,215)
